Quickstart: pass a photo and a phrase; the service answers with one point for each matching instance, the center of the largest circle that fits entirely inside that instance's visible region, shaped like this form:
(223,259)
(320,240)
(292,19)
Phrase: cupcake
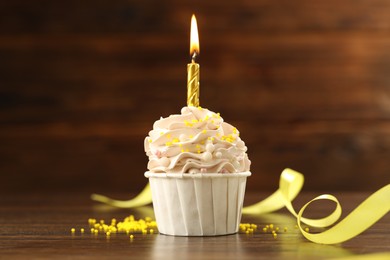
(198,167)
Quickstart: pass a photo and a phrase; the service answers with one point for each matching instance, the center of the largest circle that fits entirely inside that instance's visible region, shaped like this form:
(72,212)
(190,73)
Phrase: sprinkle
(204,131)
(307,229)
(190,136)
(275,235)
(131,236)
(108,233)
(150,140)
(187,123)
(72,230)
(168,143)
(271,226)
(285,229)
(151,231)
(82,230)
(175,140)
(169,136)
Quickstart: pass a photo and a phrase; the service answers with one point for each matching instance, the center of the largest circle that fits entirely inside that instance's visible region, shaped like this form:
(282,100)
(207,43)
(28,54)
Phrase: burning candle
(193,67)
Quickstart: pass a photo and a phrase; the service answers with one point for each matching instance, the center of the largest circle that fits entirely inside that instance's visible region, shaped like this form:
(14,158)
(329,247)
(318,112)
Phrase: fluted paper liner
(207,204)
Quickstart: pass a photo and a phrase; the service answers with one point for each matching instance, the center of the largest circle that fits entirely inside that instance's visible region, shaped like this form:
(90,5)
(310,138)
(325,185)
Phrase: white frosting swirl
(196,141)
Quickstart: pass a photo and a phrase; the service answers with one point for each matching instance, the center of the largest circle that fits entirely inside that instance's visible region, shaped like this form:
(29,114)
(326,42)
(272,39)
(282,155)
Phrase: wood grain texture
(81,84)
(37,226)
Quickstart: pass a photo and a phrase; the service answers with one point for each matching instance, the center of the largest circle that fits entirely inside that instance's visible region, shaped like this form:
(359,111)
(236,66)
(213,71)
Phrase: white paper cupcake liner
(207,204)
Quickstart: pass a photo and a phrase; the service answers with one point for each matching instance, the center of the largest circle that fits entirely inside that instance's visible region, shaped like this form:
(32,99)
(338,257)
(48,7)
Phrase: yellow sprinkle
(275,235)
(108,233)
(296,226)
(197,146)
(182,150)
(277,229)
(148,219)
(198,151)
(150,140)
(131,236)
(307,229)
(92,230)
(190,136)
(247,232)
(151,231)
(265,229)
(271,226)
(175,140)
(101,221)
(73,230)
(204,131)
(168,143)
(194,121)
(82,230)
(285,229)
(202,142)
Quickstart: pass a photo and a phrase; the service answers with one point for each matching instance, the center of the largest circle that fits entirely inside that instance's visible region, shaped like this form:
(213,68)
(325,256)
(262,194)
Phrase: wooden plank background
(307,83)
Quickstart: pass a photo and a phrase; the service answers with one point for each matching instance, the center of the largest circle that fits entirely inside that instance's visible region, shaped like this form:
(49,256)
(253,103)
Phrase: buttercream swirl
(196,141)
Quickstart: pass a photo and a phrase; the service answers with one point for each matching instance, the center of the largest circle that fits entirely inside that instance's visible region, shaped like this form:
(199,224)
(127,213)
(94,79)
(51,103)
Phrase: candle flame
(194,40)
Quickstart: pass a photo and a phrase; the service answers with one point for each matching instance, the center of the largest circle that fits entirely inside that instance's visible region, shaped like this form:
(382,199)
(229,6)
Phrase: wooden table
(39,226)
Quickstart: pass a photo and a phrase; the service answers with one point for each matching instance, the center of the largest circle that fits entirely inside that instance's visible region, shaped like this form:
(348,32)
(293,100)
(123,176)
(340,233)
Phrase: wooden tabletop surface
(39,226)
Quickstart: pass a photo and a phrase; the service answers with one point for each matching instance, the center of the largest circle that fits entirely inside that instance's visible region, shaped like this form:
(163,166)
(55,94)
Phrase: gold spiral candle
(193,68)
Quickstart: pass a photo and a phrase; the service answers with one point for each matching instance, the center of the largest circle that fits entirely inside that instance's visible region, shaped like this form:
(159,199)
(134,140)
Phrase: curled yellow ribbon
(290,184)
(142,199)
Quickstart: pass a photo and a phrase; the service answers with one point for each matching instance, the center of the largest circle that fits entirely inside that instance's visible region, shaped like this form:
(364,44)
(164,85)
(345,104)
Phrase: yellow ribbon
(290,184)
(142,199)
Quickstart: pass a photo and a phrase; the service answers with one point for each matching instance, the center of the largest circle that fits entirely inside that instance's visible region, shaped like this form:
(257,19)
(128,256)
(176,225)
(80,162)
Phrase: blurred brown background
(307,83)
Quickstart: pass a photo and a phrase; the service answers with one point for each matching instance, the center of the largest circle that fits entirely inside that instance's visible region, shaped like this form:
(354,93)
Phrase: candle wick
(194,56)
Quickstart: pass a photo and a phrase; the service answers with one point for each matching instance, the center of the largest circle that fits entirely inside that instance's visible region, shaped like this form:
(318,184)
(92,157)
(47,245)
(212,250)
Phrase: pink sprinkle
(203,170)
(158,153)
(224,170)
